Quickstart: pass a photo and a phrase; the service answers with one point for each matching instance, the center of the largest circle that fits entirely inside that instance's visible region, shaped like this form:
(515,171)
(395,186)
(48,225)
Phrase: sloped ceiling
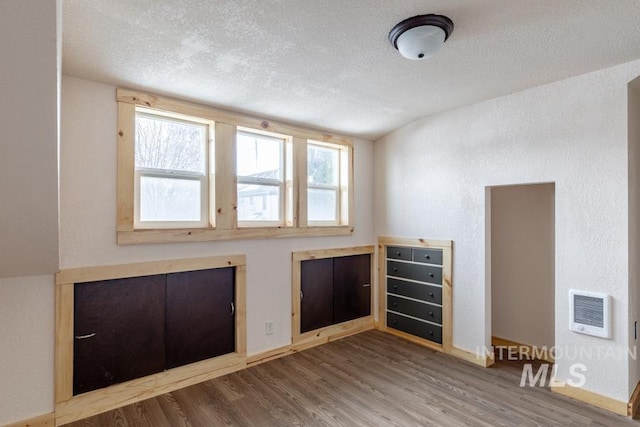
(328,64)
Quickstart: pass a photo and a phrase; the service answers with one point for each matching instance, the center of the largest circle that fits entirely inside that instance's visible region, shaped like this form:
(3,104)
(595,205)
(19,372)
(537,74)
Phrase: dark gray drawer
(422,310)
(415,327)
(419,291)
(423,273)
(399,252)
(429,256)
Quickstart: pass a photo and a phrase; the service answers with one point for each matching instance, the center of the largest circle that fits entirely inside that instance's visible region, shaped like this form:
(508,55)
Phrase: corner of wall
(487,267)
(633,126)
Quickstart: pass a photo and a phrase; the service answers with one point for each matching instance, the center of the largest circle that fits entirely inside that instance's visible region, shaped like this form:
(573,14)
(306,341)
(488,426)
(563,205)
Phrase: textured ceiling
(328,64)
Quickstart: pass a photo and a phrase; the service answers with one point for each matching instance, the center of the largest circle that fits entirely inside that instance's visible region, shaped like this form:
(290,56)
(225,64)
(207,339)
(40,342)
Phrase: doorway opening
(522,270)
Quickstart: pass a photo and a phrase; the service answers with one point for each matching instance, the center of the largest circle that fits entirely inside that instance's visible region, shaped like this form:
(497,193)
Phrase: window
(263,170)
(187,172)
(327,183)
(171,162)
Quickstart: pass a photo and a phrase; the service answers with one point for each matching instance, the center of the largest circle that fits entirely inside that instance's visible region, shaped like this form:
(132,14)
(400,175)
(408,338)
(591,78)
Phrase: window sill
(138,237)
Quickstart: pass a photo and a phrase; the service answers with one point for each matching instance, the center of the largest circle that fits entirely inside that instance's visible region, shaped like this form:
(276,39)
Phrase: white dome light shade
(421,36)
(421,42)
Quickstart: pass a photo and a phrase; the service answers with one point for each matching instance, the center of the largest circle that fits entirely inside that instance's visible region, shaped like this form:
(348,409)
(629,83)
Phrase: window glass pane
(259,156)
(167,199)
(163,143)
(258,202)
(322,165)
(322,204)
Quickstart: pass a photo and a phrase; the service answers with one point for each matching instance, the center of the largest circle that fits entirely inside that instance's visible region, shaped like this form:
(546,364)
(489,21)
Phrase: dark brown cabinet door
(119,331)
(316,304)
(351,287)
(200,317)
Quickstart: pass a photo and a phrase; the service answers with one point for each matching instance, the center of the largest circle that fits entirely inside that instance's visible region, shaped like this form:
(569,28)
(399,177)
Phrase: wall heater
(590,313)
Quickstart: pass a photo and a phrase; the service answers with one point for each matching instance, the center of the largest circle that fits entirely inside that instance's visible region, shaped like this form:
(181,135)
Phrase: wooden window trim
(223,202)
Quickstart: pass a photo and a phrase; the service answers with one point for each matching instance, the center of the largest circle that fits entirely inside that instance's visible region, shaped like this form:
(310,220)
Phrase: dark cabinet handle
(84,337)
(395,286)
(395,268)
(431,313)
(427,257)
(395,322)
(233,309)
(431,294)
(430,274)
(430,332)
(395,303)
(398,253)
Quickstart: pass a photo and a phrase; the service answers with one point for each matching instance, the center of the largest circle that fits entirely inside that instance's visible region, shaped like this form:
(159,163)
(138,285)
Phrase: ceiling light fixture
(421,36)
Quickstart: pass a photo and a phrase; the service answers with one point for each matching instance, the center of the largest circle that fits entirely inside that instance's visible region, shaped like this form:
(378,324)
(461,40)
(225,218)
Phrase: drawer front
(415,327)
(429,256)
(422,310)
(432,294)
(399,252)
(423,273)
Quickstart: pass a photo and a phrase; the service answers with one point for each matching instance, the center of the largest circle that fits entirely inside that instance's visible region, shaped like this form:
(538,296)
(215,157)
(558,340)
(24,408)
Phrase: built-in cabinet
(415,290)
(132,327)
(130,332)
(118,331)
(316,294)
(334,290)
(200,316)
(351,287)
(331,291)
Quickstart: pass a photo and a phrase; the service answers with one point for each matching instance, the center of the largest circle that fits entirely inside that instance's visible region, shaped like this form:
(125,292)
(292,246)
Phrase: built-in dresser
(415,284)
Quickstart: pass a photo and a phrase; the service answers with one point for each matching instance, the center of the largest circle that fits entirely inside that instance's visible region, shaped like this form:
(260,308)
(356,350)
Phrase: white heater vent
(589,313)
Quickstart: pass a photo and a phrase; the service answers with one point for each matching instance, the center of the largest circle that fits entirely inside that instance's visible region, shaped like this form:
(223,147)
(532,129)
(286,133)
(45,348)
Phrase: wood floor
(370,379)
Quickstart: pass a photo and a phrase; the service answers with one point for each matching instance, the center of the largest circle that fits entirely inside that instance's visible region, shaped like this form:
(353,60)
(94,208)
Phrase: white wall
(634,228)
(26,354)
(29,73)
(522,263)
(430,182)
(88,214)
(28,131)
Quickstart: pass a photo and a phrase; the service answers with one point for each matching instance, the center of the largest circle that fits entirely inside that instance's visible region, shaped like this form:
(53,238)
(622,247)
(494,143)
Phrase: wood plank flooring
(370,379)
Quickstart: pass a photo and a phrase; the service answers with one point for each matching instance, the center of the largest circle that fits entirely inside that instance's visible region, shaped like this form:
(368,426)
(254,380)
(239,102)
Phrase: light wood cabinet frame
(69,408)
(301,341)
(447,288)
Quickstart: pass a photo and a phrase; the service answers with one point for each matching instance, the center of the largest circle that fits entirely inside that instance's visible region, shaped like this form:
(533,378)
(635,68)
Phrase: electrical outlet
(268,327)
